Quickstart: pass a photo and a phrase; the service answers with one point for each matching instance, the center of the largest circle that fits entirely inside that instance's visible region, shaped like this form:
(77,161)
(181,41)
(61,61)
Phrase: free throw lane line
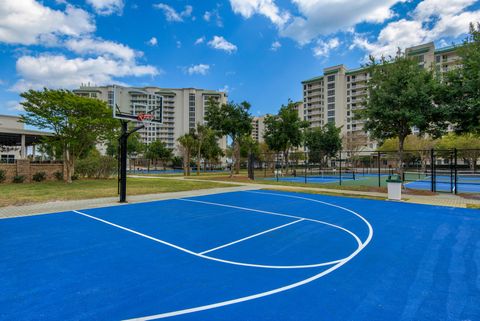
(251,236)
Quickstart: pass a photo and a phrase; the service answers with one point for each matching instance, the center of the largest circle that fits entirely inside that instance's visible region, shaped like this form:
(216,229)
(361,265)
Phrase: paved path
(62,206)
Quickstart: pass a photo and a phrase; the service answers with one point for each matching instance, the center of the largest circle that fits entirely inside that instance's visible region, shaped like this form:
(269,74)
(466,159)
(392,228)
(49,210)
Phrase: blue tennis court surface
(254,255)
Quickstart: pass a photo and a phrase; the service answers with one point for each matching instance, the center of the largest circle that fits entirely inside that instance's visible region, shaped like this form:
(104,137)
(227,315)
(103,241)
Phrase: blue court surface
(256,255)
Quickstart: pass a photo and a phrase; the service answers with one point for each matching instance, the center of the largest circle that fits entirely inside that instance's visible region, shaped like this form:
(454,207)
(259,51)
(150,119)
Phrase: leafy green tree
(284,131)
(134,144)
(323,142)
(158,150)
(187,146)
(200,134)
(460,93)
(419,147)
(401,97)
(231,120)
(77,122)
(468,146)
(210,150)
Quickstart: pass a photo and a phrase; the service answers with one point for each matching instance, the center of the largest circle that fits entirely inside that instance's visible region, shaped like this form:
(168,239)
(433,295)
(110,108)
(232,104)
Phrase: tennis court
(253,255)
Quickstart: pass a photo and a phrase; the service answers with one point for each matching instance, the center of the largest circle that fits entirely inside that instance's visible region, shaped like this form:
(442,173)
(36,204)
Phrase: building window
(331,113)
(331,86)
(331,99)
(331,92)
(437,59)
(331,120)
(331,78)
(421,58)
(444,57)
(331,106)
(348,78)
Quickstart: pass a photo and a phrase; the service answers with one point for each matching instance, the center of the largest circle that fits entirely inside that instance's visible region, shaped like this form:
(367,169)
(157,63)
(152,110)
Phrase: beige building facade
(183,108)
(336,95)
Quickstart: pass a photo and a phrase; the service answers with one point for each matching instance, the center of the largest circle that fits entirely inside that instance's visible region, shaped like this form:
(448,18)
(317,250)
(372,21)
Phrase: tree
(460,93)
(418,146)
(134,144)
(285,130)
(211,151)
(77,122)
(231,120)
(187,145)
(199,134)
(323,142)
(158,150)
(400,97)
(468,146)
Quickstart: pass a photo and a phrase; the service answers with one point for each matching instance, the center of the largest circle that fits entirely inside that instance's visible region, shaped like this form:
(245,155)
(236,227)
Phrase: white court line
(211,257)
(277,290)
(359,242)
(251,236)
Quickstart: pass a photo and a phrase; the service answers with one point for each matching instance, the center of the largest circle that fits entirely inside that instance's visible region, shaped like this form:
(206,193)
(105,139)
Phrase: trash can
(394,187)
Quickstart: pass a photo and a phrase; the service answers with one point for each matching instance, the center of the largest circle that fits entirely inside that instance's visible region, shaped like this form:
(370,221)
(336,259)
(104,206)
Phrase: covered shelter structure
(16,142)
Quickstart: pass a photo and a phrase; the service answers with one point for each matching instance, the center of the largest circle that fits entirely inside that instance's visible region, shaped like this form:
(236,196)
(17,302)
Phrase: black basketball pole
(123,142)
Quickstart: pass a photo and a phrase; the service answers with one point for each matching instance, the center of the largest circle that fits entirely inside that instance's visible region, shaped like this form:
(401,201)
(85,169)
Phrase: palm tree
(187,143)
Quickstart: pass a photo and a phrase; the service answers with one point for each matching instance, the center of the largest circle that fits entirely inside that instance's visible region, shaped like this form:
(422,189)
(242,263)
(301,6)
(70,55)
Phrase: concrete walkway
(63,206)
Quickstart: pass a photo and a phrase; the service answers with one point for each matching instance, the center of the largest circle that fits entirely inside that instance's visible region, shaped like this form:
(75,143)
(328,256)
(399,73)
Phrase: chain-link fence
(451,171)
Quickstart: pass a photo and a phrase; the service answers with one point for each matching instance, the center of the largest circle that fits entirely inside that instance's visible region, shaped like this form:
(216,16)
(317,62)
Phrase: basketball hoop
(145,117)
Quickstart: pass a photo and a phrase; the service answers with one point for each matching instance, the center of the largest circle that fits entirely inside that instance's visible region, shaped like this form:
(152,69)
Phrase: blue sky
(258,50)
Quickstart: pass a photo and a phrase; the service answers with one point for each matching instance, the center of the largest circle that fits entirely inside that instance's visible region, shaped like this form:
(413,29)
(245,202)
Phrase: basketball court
(251,255)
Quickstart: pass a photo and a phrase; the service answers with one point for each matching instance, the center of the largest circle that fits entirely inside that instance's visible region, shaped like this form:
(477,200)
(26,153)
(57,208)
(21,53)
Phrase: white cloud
(153,41)
(445,21)
(275,46)
(431,8)
(213,15)
(91,46)
(200,40)
(107,7)
(207,15)
(58,71)
(171,14)
(323,48)
(220,43)
(28,22)
(14,105)
(225,89)
(200,69)
(178,43)
(323,17)
(267,8)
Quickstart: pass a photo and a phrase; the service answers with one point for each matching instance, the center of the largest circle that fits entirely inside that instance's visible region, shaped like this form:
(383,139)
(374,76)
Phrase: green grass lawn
(17,194)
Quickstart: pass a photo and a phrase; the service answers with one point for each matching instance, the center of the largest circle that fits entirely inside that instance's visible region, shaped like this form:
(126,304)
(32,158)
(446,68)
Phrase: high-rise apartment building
(183,108)
(258,122)
(334,96)
(258,128)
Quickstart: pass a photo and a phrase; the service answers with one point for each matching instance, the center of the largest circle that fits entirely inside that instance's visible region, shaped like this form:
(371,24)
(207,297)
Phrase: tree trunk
(237,157)
(401,142)
(198,161)
(67,166)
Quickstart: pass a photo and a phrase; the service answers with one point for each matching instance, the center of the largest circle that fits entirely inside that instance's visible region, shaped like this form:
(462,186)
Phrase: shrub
(74,177)
(3,175)
(96,166)
(58,176)
(39,176)
(18,178)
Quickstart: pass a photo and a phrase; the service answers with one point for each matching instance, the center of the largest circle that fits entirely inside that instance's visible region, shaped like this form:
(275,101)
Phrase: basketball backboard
(136,105)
